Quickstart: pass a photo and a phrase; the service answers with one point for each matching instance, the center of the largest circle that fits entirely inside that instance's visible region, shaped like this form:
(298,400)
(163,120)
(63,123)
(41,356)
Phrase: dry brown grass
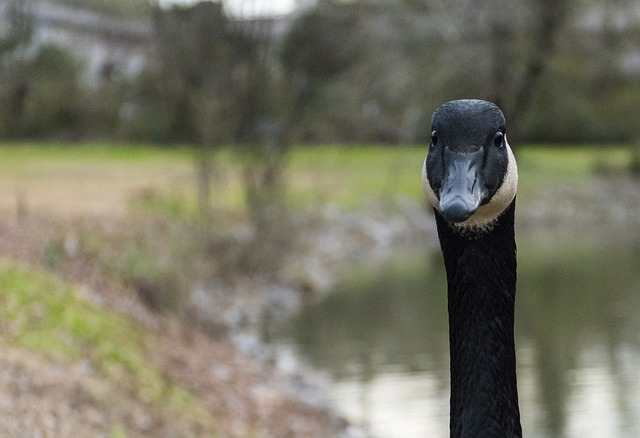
(87,181)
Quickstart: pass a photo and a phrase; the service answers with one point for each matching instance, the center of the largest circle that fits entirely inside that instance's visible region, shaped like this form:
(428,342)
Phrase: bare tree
(226,77)
(199,55)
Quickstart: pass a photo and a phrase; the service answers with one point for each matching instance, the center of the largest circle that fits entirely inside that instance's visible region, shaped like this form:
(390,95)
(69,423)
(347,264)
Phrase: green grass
(541,168)
(104,179)
(351,176)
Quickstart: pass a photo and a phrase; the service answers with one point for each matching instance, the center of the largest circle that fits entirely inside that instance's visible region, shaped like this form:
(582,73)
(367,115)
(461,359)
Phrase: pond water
(383,336)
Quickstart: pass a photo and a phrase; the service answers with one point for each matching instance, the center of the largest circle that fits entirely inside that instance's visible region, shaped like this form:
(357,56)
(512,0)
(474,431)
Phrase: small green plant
(151,200)
(155,283)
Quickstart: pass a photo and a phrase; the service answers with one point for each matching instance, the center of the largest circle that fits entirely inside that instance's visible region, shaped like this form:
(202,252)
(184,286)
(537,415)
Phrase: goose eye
(434,138)
(498,140)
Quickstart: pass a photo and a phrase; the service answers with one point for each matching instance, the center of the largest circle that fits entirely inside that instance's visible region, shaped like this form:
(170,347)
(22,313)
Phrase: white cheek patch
(426,187)
(488,213)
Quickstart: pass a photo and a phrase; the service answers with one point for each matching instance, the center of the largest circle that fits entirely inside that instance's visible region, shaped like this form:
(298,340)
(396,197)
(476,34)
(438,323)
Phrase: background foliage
(359,71)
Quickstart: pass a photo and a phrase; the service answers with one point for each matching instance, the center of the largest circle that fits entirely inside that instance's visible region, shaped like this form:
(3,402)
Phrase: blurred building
(106,46)
(110,46)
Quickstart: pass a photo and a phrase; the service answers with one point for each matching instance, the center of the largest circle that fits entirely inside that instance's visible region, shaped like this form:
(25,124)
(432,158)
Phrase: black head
(470,175)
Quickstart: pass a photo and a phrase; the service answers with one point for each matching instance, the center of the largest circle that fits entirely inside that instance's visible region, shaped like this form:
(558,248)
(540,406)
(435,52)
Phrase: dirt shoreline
(244,392)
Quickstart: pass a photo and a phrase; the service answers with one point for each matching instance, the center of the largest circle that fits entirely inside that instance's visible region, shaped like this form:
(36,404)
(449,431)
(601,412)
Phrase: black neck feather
(481,276)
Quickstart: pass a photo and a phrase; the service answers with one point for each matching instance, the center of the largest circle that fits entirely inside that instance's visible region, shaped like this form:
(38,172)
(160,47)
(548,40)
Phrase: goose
(470,179)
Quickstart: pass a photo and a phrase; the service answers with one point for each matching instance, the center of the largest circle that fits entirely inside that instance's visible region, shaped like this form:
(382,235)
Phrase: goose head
(470,175)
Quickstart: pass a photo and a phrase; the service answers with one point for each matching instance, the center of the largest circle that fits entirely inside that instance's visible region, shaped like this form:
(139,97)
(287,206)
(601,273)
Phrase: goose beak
(462,190)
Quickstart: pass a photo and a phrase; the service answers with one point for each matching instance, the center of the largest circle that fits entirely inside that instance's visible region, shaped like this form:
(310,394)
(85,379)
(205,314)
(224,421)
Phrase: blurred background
(211,218)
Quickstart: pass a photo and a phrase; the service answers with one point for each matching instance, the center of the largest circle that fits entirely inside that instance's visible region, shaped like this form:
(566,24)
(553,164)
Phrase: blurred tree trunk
(204,172)
(197,51)
(263,133)
(501,40)
(550,18)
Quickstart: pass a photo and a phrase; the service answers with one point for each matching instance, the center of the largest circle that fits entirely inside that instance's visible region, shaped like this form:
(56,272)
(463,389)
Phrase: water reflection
(383,335)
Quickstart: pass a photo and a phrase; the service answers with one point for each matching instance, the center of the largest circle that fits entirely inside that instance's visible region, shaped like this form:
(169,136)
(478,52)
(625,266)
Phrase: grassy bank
(56,322)
(47,315)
